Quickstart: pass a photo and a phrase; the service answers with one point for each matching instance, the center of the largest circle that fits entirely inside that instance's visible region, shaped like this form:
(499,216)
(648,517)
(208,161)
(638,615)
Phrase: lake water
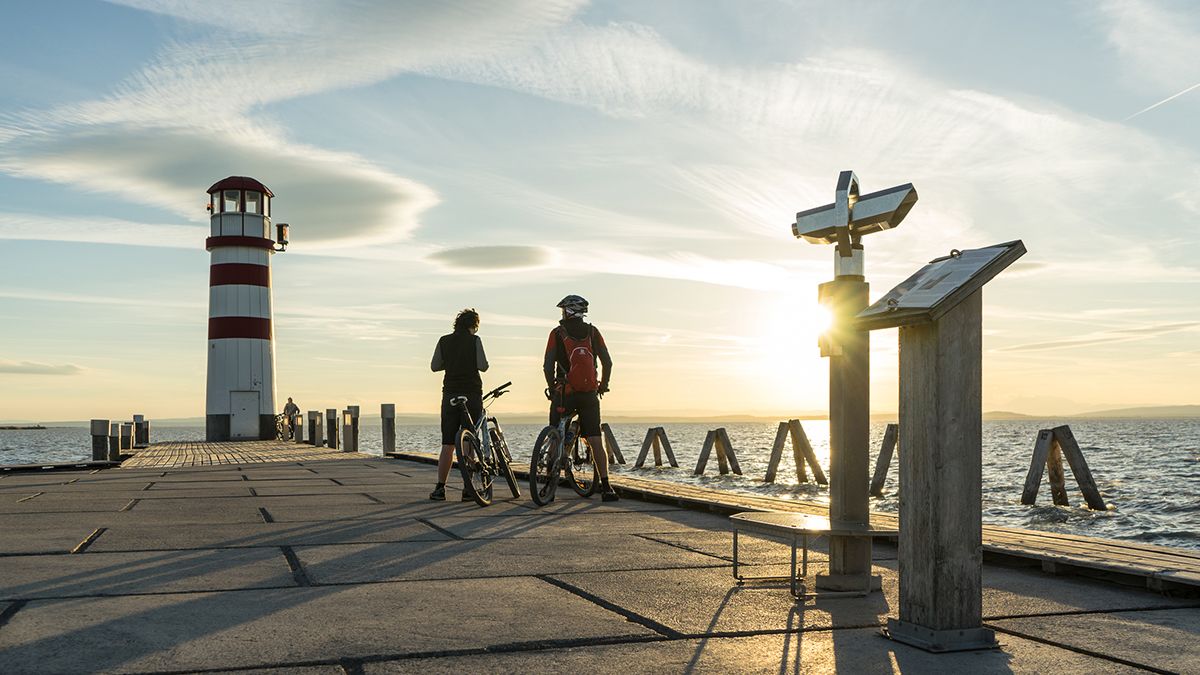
(1147,470)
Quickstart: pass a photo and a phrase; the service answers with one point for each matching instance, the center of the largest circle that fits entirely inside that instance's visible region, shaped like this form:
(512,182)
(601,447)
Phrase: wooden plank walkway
(1157,567)
(199,453)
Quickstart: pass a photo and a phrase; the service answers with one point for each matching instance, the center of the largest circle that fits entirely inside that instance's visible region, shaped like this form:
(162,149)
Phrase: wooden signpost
(939,311)
(726,459)
(1051,445)
(656,437)
(802,453)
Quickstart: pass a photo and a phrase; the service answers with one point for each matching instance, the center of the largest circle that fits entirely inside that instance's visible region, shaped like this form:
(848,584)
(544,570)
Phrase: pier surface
(342,565)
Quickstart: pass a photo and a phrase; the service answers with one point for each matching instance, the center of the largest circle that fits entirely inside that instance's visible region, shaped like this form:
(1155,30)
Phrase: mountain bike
(560,449)
(481,450)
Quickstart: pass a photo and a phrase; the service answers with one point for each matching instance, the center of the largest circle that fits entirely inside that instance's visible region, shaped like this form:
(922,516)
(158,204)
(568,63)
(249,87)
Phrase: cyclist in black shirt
(461,355)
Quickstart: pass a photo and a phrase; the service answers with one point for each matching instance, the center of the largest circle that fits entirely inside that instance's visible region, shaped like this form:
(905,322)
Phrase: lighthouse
(240,401)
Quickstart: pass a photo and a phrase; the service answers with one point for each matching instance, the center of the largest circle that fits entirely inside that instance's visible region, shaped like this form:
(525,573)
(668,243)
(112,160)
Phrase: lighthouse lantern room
(240,402)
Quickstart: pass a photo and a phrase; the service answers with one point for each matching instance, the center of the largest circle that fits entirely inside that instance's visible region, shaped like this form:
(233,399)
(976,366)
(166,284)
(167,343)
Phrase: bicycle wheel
(581,470)
(476,472)
(543,466)
(503,458)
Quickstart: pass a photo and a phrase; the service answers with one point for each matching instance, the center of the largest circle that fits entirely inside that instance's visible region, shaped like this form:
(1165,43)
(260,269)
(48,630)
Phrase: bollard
(298,428)
(314,427)
(99,440)
(387,414)
(353,410)
(331,428)
(126,436)
(348,431)
(114,442)
(141,432)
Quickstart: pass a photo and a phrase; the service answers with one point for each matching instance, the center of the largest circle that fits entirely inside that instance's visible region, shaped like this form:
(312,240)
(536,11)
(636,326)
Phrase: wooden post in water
(114,442)
(387,415)
(802,453)
(1079,467)
(777,454)
(331,428)
(726,459)
(348,431)
(314,427)
(884,460)
(610,444)
(126,436)
(99,431)
(656,438)
(1048,450)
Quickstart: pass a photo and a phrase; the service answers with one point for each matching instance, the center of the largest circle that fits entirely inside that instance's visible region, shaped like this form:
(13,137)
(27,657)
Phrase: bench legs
(798,541)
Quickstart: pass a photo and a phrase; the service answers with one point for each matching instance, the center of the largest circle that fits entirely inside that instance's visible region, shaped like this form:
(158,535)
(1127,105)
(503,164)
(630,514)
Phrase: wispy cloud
(100,230)
(1161,46)
(33,368)
(189,117)
(1113,336)
(491,258)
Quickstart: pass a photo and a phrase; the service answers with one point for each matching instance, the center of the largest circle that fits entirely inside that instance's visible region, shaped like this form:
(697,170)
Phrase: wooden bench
(797,528)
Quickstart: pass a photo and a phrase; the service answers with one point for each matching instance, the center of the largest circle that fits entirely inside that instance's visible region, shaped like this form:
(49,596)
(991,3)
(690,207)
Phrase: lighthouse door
(243,424)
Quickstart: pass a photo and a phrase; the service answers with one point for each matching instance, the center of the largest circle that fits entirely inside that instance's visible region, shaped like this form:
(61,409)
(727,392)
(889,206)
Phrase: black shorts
(587,405)
(452,416)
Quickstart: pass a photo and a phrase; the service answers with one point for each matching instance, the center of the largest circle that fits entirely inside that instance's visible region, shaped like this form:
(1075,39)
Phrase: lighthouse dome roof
(240,183)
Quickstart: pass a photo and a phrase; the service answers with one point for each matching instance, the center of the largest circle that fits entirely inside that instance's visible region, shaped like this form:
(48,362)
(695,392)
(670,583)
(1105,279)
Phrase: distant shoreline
(22,428)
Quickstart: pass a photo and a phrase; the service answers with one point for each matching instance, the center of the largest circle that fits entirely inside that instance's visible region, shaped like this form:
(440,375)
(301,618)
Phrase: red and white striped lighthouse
(241,342)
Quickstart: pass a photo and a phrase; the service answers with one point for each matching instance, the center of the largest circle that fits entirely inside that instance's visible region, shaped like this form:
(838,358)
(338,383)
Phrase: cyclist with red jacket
(571,354)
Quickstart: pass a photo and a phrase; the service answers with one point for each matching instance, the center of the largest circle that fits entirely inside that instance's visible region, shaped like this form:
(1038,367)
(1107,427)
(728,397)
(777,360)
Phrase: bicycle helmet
(573,305)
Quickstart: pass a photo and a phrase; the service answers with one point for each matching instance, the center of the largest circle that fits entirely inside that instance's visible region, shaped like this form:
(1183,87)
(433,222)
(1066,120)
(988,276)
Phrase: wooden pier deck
(200,453)
(343,565)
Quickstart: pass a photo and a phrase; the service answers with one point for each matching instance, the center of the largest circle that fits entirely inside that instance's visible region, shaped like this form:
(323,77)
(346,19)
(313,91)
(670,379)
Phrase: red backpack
(581,361)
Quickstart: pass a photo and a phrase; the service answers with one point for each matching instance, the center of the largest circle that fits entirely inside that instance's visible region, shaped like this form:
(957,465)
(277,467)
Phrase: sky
(648,156)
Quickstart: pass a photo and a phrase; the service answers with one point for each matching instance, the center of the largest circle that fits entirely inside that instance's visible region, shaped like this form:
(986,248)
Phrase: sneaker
(438,494)
(610,495)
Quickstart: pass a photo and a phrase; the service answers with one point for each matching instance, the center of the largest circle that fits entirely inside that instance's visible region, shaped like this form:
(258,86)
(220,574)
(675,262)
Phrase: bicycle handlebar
(498,391)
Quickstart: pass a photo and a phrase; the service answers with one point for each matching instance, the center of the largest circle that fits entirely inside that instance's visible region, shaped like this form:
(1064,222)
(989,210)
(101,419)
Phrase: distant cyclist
(461,355)
(570,363)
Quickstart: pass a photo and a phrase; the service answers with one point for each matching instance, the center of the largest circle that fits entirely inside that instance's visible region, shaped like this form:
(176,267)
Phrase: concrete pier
(296,564)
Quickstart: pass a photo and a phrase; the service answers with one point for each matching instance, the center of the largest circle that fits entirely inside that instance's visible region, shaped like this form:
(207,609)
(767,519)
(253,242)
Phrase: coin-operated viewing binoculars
(844,223)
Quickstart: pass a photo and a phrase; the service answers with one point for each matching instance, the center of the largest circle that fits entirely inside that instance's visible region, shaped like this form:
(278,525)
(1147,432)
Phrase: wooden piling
(354,412)
(1079,467)
(884,460)
(656,438)
(1048,451)
(387,415)
(99,431)
(802,453)
(331,428)
(726,459)
(777,454)
(610,444)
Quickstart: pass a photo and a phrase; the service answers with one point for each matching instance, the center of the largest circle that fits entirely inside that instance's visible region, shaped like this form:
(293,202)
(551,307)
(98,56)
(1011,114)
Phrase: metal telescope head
(850,216)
